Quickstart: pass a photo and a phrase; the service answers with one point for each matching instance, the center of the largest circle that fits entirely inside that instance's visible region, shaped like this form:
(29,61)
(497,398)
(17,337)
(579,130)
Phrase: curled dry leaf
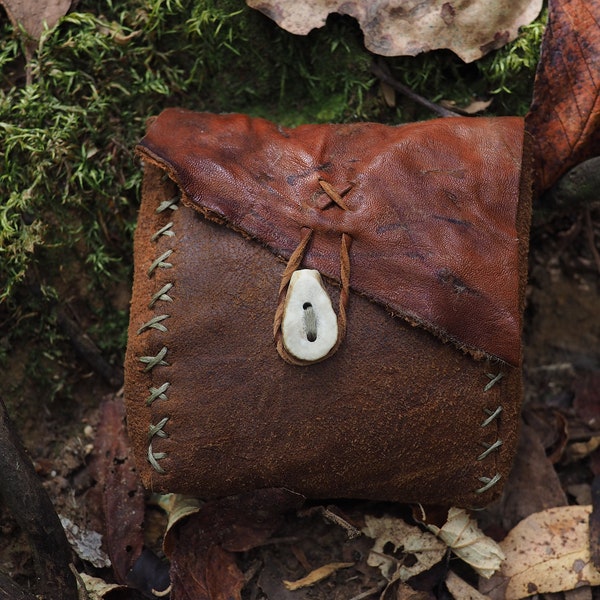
(469,543)
(317,575)
(546,552)
(564,118)
(469,28)
(580,450)
(177,507)
(473,108)
(86,544)
(97,588)
(420,545)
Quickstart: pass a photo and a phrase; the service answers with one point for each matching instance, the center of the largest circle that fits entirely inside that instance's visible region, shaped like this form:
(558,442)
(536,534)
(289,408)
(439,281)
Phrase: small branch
(9,590)
(87,349)
(22,492)
(406,91)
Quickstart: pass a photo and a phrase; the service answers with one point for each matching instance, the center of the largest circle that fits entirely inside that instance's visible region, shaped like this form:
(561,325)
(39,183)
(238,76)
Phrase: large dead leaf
(533,483)
(408,27)
(200,545)
(414,551)
(546,552)
(565,113)
(33,16)
(461,533)
(122,492)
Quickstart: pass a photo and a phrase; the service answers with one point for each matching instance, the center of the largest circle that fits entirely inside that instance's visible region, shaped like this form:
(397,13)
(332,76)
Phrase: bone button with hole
(309,327)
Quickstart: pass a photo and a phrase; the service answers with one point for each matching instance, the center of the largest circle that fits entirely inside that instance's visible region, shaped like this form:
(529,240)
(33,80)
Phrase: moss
(69,183)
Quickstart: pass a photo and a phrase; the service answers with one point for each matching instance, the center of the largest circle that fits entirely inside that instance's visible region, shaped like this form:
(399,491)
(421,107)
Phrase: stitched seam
(491,417)
(158,392)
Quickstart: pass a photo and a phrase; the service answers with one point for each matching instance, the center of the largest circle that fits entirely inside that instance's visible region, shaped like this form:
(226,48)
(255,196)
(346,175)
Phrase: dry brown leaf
(34,15)
(587,399)
(533,483)
(404,592)
(594,523)
(546,552)
(86,544)
(317,575)
(177,507)
(408,27)
(565,113)
(388,93)
(469,543)
(424,547)
(122,493)
(97,588)
(201,545)
(580,450)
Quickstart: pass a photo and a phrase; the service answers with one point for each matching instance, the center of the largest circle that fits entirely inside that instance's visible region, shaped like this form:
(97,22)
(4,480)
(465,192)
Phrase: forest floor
(556,464)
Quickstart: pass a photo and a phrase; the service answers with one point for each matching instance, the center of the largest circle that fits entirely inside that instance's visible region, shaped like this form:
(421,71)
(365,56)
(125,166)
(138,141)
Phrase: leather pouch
(401,250)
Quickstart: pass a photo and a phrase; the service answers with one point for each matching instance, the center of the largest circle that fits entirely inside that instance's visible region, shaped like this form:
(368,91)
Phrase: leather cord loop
(293,264)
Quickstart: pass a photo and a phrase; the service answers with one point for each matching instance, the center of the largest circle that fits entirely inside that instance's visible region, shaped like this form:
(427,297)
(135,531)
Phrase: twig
(87,349)
(370,592)
(406,91)
(9,590)
(22,492)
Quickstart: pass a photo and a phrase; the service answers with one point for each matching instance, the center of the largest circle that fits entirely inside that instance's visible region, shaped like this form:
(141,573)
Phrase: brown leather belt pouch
(420,234)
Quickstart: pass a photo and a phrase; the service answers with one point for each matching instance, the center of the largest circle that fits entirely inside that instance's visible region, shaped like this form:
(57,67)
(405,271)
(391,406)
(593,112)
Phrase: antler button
(309,327)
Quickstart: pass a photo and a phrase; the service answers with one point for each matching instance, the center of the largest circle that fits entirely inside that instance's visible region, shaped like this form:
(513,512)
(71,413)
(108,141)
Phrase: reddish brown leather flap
(432,208)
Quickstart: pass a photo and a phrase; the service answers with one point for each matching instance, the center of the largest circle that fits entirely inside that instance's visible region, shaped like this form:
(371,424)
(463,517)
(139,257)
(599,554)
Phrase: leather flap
(432,208)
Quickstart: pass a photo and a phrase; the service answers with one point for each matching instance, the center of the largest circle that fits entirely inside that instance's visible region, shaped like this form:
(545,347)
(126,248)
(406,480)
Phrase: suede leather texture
(402,410)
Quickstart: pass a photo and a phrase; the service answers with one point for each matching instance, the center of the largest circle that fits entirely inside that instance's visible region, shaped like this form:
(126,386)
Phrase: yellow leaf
(317,575)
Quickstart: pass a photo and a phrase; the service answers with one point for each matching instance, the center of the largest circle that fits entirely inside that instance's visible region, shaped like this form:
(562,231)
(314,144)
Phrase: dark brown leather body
(420,402)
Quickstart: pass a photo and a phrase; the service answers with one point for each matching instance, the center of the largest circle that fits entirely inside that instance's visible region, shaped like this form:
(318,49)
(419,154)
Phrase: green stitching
(494,380)
(161,295)
(171,203)
(154,323)
(166,230)
(153,457)
(157,393)
(492,414)
(488,483)
(152,361)
(160,263)
(489,448)
(158,429)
